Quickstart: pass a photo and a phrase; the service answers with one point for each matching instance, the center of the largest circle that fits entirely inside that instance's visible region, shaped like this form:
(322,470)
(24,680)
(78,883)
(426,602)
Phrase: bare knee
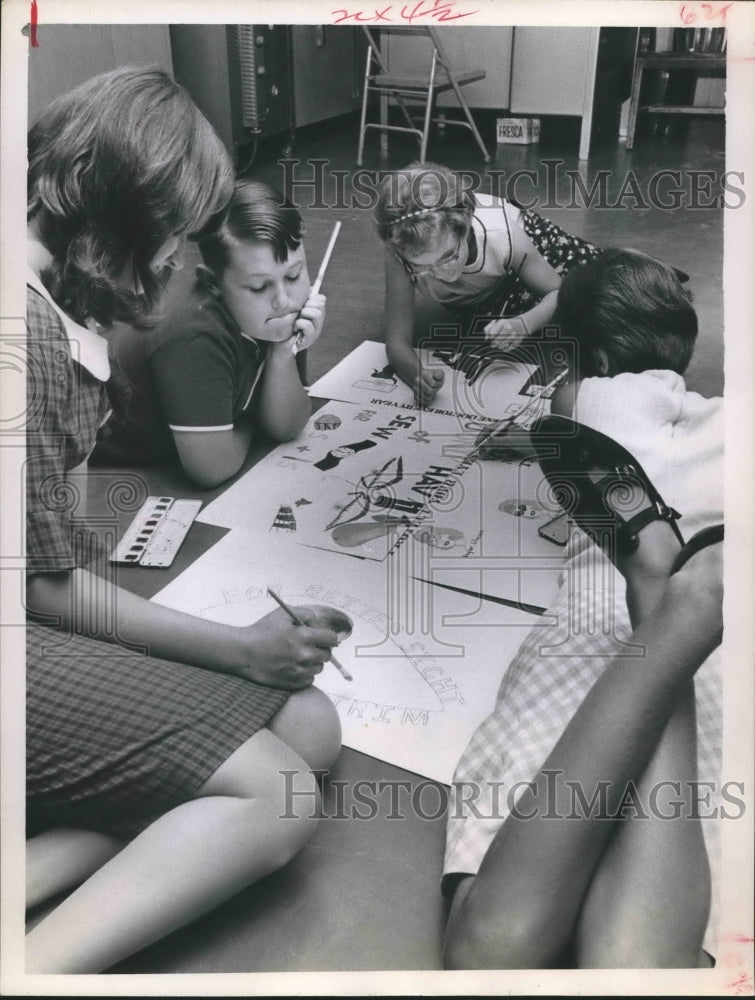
(300,797)
(647,916)
(62,857)
(268,769)
(625,948)
(309,724)
(648,935)
(297,812)
(283,813)
(498,936)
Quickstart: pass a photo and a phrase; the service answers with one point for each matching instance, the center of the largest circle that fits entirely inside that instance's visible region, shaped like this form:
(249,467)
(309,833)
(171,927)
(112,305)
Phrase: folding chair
(414,88)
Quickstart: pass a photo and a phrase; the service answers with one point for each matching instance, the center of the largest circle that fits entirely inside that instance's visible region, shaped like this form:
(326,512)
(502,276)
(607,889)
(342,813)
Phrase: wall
(488,48)
(200,59)
(548,75)
(68,54)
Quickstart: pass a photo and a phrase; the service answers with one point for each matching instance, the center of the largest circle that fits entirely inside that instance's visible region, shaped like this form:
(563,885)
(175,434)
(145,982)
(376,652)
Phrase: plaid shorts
(116,738)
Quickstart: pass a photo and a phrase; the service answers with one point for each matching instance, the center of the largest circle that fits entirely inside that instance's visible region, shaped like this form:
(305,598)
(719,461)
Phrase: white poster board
(426,662)
(359,481)
(484,385)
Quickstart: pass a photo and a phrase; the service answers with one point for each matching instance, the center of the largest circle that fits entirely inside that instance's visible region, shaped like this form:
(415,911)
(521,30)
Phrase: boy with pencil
(221,367)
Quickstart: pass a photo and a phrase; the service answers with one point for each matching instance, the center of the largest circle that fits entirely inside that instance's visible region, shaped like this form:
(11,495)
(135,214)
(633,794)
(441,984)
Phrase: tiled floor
(366,895)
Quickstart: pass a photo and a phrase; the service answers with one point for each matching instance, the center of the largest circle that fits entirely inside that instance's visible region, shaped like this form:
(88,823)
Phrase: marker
(298,621)
(318,280)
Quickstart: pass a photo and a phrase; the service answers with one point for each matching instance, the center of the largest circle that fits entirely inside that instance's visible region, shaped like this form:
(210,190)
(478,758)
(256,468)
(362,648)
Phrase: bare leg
(522,907)
(648,903)
(187,862)
(309,724)
(62,858)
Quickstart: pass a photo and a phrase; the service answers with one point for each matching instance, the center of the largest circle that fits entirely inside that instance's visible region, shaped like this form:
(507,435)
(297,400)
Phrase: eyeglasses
(446,261)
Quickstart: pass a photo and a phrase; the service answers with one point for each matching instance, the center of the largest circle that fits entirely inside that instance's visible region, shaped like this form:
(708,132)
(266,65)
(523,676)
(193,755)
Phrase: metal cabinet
(238,75)
(327,71)
(255,80)
(583,71)
(553,73)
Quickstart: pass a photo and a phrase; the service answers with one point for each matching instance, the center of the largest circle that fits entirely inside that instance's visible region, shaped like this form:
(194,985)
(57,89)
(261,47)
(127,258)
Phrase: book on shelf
(699,40)
(717,92)
(702,92)
(664,39)
(681,40)
(710,92)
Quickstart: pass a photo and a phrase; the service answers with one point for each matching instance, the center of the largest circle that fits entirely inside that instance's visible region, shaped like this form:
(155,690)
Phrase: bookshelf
(685,60)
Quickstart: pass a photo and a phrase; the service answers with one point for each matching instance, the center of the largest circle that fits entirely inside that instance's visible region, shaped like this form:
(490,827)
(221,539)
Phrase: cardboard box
(517,131)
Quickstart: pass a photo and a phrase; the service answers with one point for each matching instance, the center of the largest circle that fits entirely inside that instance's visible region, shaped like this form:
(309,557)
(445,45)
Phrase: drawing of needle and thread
(298,621)
(364,493)
(295,347)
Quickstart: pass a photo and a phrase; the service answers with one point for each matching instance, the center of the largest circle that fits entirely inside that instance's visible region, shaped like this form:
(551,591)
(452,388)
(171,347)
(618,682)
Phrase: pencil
(320,275)
(326,258)
(507,421)
(298,621)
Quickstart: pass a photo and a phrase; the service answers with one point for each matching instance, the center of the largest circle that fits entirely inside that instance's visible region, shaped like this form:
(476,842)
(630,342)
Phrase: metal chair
(416,88)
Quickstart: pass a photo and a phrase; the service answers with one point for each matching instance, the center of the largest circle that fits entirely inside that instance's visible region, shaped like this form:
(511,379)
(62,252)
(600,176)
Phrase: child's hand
(309,322)
(324,616)
(511,444)
(506,333)
(284,655)
(426,386)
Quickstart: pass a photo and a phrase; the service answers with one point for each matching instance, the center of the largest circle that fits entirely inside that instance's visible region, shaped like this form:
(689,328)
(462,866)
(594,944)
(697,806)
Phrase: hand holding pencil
(301,341)
(330,618)
(506,333)
(309,323)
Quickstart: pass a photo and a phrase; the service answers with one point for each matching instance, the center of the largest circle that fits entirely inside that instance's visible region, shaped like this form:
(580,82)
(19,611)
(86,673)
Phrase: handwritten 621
(693,13)
(436,10)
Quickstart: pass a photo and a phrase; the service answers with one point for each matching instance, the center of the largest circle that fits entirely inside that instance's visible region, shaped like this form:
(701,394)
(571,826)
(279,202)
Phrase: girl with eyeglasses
(481,256)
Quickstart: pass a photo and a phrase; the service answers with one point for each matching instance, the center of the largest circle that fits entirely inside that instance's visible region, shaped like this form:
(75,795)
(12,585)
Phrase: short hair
(416,204)
(116,167)
(631,306)
(257,213)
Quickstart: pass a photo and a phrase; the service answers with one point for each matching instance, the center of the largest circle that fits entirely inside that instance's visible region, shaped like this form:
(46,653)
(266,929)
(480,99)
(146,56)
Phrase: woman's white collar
(87,347)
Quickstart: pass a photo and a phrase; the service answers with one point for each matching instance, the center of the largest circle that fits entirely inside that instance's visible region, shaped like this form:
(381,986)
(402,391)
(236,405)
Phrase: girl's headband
(411,215)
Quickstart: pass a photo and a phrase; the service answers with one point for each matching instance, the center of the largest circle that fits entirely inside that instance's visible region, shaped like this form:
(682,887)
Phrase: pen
(298,621)
(320,275)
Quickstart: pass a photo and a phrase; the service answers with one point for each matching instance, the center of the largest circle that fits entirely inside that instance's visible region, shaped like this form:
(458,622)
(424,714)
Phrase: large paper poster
(360,481)
(476,384)
(426,662)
